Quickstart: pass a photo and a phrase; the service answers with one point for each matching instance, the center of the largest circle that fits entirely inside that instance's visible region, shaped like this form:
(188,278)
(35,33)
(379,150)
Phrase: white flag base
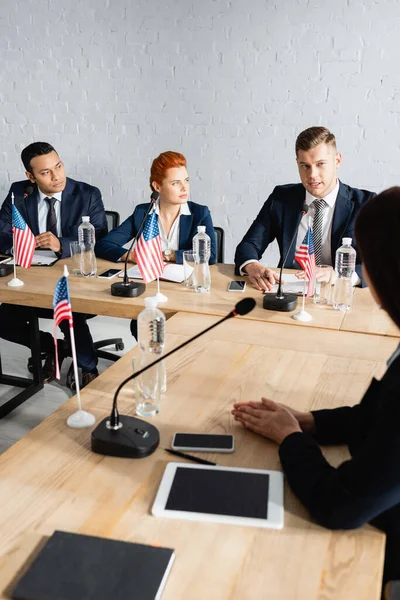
(302,316)
(160,297)
(80,420)
(15,282)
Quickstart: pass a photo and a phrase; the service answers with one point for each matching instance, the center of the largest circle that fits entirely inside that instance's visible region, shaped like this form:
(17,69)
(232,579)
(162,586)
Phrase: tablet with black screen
(251,497)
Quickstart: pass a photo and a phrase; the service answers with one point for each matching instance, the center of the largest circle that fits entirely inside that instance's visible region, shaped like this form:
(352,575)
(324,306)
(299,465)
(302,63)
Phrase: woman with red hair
(178,217)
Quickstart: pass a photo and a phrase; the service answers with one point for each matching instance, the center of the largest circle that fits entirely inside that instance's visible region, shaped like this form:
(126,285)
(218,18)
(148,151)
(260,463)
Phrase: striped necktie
(51,216)
(319,207)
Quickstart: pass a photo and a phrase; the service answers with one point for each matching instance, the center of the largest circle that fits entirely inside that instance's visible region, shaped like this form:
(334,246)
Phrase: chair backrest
(112,219)
(220,238)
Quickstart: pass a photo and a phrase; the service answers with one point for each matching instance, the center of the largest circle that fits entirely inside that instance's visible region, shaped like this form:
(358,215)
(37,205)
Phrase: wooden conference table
(51,480)
(93,296)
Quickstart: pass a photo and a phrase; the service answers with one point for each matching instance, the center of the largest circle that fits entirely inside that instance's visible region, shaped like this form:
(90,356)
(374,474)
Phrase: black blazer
(365,488)
(279,218)
(111,246)
(78,199)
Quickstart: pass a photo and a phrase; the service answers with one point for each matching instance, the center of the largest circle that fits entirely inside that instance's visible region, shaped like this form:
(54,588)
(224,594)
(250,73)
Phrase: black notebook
(81,567)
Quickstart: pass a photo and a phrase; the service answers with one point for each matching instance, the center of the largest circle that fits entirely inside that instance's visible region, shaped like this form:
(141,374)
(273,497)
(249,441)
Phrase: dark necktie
(51,216)
(319,207)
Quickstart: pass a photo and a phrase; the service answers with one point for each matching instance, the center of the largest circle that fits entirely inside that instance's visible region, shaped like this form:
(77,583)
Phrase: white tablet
(250,497)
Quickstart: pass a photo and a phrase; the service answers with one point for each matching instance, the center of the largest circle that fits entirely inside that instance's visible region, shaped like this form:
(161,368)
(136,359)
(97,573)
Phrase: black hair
(35,149)
(377,235)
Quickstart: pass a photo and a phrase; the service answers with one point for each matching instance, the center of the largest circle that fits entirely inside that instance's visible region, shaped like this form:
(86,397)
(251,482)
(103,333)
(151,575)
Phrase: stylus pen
(201,461)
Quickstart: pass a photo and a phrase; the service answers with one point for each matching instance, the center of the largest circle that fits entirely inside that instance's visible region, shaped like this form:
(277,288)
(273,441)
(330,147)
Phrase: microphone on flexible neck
(120,435)
(280,301)
(126,288)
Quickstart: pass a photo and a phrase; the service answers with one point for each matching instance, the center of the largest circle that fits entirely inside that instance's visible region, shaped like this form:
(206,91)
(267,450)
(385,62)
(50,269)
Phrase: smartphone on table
(203,442)
(109,273)
(236,286)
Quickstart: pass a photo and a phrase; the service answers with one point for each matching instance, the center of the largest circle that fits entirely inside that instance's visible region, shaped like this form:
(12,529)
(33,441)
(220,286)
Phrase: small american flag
(306,258)
(62,310)
(148,252)
(24,240)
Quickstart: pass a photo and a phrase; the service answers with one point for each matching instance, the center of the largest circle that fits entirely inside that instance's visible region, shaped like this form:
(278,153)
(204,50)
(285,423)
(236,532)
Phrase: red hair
(161,164)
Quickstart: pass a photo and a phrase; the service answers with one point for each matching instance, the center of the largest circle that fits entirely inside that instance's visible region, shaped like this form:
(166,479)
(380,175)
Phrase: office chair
(112,222)
(220,239)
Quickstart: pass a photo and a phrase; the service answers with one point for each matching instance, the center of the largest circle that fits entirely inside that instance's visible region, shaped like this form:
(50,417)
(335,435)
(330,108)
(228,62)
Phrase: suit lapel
(32,216)
(185,226)
(68,216)
(341,217)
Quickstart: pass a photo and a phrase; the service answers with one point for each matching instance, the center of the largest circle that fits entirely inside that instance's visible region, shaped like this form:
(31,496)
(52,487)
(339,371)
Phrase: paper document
(171,272)
(291,285)
(41,258)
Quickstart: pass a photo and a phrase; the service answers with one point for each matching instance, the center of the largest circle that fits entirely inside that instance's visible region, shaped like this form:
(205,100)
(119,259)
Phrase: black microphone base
(6,270)
(287,303)
(135,439)
(131,290)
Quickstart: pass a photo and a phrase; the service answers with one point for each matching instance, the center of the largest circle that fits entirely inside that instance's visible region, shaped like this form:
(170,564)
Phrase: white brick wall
(230,83)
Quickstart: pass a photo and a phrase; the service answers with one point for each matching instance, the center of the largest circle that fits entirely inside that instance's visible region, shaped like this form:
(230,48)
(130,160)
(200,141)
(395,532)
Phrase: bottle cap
(85,219)
(201,228)
(150,302)
(346,241)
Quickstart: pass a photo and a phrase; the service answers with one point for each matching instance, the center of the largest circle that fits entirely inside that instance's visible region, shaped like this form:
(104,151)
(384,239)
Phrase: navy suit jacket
(111,246)
(78,199)
(279,219)
(365,488)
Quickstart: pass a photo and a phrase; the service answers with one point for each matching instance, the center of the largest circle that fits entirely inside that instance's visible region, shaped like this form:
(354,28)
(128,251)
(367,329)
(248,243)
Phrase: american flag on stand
(62,310)
(149,257)
(306,258)
(24,240)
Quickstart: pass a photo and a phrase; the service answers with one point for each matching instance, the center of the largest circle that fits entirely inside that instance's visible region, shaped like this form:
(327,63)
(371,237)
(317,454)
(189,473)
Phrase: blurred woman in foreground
(365,488)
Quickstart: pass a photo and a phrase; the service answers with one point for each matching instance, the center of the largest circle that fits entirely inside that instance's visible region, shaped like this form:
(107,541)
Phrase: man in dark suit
(53,206)
(332,206)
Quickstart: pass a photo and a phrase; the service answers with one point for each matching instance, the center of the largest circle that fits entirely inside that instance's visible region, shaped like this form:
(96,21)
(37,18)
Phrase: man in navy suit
(53,206)
(332,206)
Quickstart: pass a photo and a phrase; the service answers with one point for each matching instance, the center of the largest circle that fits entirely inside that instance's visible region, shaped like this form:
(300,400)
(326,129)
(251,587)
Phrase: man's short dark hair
(377,235)
(312,137)
(35,149)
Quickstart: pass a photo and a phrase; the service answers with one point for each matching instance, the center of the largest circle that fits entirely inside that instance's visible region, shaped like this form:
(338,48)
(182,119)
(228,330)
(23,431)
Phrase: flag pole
(81,418)
(302,315)
(304,292)
(159,296)
(14,282)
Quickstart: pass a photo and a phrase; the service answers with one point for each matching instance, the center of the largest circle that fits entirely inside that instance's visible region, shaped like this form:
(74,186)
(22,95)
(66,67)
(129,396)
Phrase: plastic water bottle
(345,264)
(87,241)
(151,339)
(201,250)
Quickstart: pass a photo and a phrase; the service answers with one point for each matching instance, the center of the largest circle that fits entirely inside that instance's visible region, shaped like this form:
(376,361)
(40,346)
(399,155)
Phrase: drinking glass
(149,387)
(75,250)
(188,266)
(323,288)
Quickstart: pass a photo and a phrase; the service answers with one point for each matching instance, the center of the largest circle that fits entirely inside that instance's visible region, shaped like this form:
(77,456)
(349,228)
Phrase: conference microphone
(28,189)
(280,301)
(126,288)
(120,435)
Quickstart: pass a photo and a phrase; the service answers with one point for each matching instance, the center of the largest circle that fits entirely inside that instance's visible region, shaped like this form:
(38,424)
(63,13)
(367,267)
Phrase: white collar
(183,209)
(56,196)
(330,198)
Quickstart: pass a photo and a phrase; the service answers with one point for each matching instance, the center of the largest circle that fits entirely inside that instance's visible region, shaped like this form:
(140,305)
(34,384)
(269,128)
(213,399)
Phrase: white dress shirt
(43,210)
(330,199)
(171,242)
